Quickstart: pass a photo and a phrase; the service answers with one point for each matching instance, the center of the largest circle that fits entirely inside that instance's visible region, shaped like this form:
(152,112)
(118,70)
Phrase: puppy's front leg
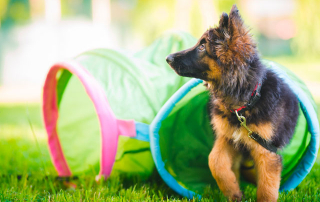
(268,166)
(220,163)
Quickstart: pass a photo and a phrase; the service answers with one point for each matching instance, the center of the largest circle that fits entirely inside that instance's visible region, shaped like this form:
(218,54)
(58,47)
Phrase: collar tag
(264,143)
(243,122)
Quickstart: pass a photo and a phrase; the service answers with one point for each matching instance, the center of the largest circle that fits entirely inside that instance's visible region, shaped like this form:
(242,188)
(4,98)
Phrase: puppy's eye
(202,47)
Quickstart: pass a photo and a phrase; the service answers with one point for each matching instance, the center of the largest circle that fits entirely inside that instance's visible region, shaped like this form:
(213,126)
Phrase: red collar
(255,96)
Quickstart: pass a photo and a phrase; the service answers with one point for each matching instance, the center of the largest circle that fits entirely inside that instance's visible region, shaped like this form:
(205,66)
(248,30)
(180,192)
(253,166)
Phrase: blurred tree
(76,8)
(307,17)
(151,18)
(3,8)
(14,11)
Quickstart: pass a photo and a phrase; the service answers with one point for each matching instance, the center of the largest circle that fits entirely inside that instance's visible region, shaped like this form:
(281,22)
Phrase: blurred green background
(36,33)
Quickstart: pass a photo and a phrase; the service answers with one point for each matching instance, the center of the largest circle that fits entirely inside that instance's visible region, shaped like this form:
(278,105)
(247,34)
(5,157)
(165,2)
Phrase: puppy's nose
(169,58)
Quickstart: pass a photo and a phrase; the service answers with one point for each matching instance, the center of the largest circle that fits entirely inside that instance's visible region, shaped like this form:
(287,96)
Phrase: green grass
(27,174)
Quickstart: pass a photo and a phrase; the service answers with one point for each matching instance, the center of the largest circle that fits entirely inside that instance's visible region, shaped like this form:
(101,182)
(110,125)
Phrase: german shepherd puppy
(243,91)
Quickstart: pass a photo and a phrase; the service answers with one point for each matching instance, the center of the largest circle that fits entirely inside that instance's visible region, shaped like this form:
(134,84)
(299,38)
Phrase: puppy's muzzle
(170,59)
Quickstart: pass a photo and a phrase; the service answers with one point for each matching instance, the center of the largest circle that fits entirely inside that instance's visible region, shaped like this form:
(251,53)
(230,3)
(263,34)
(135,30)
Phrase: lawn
(27,173)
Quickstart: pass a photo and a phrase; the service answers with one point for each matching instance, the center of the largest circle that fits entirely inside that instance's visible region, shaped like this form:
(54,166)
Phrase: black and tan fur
(226,58)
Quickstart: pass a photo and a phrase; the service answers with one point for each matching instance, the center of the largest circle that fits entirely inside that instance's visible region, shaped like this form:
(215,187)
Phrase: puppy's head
(223,51)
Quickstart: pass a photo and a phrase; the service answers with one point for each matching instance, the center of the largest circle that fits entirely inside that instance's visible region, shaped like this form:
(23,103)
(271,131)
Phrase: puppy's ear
(223,23)
(235,23)
(236,46)
(223,27)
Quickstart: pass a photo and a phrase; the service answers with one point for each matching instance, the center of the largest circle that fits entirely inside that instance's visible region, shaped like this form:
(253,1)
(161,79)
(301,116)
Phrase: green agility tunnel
(97,109)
